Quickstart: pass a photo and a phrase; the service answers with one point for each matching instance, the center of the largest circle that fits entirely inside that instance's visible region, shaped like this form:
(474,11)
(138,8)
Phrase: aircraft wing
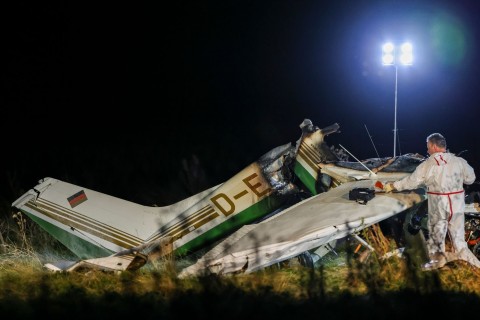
(307,225)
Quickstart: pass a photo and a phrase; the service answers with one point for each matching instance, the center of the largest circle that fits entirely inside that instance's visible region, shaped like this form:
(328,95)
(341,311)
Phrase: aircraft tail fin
(91,224)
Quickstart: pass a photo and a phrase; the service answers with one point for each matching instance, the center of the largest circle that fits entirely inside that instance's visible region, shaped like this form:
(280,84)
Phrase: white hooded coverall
(443,174)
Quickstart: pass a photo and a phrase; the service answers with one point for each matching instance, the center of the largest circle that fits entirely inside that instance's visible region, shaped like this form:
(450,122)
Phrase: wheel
(305,259)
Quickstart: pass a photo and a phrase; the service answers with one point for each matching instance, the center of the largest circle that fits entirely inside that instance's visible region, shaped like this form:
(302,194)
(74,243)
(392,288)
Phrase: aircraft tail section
(92,224)
(89,223)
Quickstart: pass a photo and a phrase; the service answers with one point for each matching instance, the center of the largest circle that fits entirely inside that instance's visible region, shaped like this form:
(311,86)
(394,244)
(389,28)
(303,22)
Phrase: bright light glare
(388,57)
(406,54)
(388,47)
(406,47)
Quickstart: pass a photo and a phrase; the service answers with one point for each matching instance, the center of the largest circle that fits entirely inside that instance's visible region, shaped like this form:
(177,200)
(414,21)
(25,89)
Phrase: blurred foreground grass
(376,288)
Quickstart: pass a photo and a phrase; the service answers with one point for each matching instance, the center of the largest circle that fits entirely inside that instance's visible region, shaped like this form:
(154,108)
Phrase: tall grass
(364,286)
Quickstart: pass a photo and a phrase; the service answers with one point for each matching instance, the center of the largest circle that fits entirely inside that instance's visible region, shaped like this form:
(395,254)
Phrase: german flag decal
(77,198)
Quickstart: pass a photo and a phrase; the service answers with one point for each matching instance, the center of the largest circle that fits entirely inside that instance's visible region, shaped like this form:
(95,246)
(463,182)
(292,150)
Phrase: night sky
(122,98)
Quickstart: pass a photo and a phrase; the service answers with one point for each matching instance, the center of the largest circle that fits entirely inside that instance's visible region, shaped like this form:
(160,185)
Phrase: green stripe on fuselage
(305,177)
(81,248)
(249,215)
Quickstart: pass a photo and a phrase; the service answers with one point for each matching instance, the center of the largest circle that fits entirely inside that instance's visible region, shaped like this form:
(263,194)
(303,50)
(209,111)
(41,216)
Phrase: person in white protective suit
(443,174)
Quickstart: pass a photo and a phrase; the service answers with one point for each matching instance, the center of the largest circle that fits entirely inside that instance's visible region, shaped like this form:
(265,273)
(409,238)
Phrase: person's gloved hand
(388,187)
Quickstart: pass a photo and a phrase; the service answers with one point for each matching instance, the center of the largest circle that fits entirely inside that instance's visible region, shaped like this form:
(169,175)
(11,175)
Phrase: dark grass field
(375,289)
(352,288)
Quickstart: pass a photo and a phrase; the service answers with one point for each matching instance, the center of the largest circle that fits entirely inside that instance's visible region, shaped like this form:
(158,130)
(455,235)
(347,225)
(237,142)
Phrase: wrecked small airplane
(293,200)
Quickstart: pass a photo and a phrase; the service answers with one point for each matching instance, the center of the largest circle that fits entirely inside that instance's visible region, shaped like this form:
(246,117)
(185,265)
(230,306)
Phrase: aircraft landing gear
(305,259)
